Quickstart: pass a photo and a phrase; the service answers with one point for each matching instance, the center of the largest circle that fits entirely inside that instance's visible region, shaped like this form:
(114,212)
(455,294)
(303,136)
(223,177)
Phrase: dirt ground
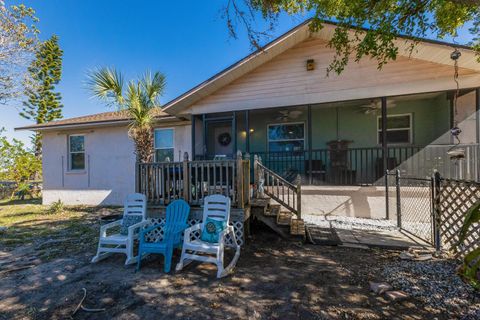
(274,279)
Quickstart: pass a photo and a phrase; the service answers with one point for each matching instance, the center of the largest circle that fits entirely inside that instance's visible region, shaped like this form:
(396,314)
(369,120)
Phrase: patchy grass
(30,223)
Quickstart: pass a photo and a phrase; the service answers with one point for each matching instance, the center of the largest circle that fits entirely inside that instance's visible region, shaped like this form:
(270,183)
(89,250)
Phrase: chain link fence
(412,205)
(434,209)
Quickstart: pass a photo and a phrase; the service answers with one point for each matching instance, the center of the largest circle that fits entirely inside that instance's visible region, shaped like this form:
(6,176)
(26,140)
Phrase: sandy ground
(273,280)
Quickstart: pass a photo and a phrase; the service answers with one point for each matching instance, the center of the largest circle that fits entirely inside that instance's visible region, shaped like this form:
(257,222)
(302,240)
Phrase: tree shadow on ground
(9,202)
(274,279)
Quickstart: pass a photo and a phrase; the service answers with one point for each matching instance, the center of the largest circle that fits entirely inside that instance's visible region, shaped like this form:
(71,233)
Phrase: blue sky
(186,40)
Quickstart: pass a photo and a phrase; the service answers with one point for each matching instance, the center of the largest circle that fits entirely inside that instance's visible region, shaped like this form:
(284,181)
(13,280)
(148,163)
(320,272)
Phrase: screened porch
(352,142)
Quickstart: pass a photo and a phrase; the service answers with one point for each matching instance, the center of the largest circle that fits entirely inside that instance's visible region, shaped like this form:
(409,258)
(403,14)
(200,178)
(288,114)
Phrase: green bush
(56,207)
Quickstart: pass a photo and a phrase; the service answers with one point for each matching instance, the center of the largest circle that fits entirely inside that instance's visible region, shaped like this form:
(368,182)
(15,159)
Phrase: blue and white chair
(134,219)
(211,244)
(176,217)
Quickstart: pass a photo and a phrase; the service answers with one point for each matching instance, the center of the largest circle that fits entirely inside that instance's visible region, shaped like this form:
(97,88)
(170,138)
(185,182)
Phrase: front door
(219,139)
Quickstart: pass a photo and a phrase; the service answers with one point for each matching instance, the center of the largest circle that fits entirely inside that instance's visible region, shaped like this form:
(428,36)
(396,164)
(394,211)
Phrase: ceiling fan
(374,106)
(288,114)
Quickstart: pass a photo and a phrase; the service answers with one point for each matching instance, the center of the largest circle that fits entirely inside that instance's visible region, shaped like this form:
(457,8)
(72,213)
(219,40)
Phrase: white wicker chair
(135,205)
(216,207)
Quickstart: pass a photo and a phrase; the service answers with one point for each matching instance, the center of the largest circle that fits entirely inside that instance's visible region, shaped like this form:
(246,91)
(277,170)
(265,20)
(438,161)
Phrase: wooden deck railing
(278,188)
(163,182)
(364,166)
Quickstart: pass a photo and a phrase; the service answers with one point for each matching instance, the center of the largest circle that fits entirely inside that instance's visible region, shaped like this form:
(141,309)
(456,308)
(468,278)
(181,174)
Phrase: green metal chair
(175,223)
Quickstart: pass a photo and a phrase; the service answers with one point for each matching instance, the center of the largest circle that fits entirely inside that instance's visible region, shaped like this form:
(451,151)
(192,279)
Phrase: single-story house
(337,133)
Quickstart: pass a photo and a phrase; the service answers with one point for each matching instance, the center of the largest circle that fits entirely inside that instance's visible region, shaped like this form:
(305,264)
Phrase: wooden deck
(196,212)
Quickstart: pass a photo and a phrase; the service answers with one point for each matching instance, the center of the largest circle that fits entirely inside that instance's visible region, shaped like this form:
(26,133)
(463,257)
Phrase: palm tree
(140,101)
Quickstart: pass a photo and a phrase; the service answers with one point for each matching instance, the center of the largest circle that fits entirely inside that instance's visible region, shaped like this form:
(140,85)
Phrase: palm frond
(472,216)
(138,106)
(153,87)
(107,84)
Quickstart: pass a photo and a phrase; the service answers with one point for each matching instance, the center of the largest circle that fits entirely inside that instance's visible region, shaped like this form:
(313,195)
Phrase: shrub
(56,207)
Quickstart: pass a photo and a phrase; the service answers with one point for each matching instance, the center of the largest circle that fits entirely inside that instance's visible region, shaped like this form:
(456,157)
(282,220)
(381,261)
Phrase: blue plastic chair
(175,223)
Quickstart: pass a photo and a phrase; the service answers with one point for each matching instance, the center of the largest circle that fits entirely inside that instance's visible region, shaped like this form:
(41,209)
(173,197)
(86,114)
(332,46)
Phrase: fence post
(299,196)
(399,204)
(240,192)
(186,178)
(387,200)
(436,181)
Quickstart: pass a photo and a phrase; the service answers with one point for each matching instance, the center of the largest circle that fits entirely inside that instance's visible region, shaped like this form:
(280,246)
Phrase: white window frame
(70,152)
(285,140)
(410,128)
(155,147)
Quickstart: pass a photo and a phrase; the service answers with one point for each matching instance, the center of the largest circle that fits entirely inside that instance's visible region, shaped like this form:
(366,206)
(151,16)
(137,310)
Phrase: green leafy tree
(44,104)
(18,41)
(140,100)
(17,163)
(375,24)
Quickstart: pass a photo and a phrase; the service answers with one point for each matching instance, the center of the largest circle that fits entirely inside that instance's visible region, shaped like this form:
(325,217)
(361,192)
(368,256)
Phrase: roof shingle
(104,117)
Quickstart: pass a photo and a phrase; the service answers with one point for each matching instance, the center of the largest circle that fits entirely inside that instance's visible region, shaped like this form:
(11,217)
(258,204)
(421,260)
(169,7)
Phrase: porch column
(384,133)
(193,138)
(234,133)
(247,129)
(477,129)
(477,111)
(310,143)
(385,152)
(204,135)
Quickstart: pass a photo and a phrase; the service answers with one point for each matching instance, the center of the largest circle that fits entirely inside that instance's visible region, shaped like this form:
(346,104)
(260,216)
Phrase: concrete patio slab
(387,239)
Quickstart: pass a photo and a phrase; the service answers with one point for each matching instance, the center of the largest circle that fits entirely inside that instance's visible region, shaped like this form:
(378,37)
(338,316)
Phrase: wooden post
(240,180)
(246,166)
(255,176)
(299,196)
(186,178)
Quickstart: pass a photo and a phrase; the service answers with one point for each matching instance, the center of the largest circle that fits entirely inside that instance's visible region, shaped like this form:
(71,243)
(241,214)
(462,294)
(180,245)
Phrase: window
(163,144)
(399,129)
(286,137)
(76,152)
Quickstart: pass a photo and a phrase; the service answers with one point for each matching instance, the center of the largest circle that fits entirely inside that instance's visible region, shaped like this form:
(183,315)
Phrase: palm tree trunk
(143,139)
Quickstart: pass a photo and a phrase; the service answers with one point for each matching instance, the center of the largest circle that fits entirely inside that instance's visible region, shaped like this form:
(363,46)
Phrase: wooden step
(297,227)
(284,218)
(260,202)
(272,210)
(282,231)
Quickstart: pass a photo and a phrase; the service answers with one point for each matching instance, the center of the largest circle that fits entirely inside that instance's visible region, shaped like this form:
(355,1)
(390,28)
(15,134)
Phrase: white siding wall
(110,166)
(109,174)
(284,81)
(183,142)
